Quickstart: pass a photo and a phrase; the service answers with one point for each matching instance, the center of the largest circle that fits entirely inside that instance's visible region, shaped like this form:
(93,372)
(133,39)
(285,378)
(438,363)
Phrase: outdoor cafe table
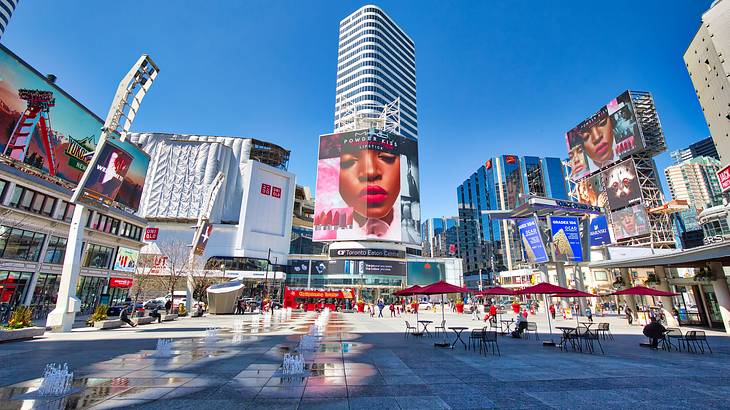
(569,333)
(458,330)
(425,324)
(587,325)
(509,324)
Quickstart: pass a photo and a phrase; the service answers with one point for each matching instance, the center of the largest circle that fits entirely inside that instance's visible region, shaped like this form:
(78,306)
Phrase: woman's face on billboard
(577,161)
(598,141)
(628,221)
(370,182)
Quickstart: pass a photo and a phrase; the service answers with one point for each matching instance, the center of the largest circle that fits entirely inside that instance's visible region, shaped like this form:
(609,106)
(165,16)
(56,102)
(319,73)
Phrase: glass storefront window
(20,244)
(56,250)
(12,291)
(712,305)
(45,293)
(88,290)
(97,256)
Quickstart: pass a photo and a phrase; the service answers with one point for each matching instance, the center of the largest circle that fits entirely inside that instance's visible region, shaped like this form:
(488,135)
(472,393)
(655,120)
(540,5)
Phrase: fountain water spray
(56,380)
(164,348)
(293,364)
(211,335)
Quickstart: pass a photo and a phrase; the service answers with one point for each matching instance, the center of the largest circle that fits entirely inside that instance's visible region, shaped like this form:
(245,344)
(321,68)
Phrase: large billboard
(367,188)
(126,260)
(532,241)
(611,134)
(425,273)
(622,185)
(630,222)
(42,126)
(591,191)
(565,231)
(116,174)
(598,231)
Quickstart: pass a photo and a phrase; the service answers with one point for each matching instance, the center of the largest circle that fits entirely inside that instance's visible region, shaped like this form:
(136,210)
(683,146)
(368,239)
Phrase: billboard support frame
(62,317)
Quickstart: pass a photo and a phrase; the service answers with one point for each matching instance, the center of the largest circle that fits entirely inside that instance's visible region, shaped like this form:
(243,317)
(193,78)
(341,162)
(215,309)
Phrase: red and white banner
(723,176)
(120,282)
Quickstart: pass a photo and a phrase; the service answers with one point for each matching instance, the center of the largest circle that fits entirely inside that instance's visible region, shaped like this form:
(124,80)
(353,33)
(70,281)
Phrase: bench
(144,320)
(108,324)
(168,317)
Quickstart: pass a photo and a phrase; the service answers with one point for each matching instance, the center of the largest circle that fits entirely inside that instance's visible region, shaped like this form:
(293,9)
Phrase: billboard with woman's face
(607,136)
(367,188)
(630,222)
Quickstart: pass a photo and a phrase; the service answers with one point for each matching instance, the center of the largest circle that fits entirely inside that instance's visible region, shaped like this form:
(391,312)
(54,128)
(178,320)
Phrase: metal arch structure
(358,116)
(126,102)
(132,89)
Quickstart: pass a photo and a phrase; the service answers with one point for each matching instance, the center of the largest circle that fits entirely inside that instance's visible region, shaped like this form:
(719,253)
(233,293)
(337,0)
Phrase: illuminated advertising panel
(367,188)
(630,222)
(126,260)
(598,231)
(605,137)
(116,174)
(566,239)
(532,240)
(425,273)
(41,126)
(590,191)
(622,185)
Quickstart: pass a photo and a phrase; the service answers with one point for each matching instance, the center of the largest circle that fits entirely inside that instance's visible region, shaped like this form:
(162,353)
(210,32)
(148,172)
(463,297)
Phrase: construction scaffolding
(359,116)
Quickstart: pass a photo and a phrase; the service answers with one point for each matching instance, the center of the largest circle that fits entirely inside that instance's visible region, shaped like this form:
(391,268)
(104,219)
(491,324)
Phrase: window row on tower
(362,60)
(380,17)
(376,47)
(379,31)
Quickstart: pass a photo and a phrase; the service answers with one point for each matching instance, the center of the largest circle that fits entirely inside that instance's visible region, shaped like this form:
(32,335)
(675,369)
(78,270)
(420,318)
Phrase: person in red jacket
(515,307)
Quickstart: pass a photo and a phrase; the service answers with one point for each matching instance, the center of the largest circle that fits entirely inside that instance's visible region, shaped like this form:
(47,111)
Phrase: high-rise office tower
(707,61)
(441,237)
(701,148)
(376,65)
(695,181)
(489,245)
(6,11)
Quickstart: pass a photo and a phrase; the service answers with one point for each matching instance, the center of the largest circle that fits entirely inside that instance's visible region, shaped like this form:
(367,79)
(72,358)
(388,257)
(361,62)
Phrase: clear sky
(493,77)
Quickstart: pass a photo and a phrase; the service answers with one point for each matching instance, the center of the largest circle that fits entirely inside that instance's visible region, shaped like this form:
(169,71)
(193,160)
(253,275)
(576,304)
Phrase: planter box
(145,320)
(108,324)
(19,334)
(169,317)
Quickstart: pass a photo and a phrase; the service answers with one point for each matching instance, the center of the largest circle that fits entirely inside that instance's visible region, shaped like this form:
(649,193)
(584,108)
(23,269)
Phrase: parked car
(152,303)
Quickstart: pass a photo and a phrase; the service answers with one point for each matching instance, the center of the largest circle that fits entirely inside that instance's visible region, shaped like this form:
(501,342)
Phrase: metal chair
(531,327)
(589,337)
(604,330)
(442,327)
(476,335)
(489,338)
(696,338)
(672,334)
(409,329)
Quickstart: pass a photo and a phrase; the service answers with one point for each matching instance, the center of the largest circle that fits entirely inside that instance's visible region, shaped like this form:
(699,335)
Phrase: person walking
(371,308)
(124,317)
(589,314)
(381,305)
(552,310)
(629,315)
(156,313)
(392,310)
(168,306)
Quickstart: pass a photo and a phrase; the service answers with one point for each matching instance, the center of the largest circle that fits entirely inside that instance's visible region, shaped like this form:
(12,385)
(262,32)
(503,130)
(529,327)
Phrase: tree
(178,263)
(143,274)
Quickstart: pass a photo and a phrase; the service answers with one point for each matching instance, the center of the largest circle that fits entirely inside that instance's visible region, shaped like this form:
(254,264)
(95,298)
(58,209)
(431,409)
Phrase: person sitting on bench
(124,317)
(156,314)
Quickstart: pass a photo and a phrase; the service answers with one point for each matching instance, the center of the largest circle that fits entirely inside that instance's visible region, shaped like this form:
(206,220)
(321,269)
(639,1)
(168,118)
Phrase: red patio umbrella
(442,287)
(497,290)
(545,288)
(643,291)
(575,294)
(408,291)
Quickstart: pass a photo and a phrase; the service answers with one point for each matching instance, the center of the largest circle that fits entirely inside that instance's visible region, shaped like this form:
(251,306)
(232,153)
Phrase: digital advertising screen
(367,188)
(425,273)
(299,266)
(116,174)
(126,260)
(598,231)
(630,222)
(622,185)
(605,137)
(41,126)
(565,233)
(532,240)
(591,191)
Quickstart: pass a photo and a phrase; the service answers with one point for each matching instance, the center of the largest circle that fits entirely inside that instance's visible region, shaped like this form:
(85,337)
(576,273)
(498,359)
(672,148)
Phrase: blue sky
(493,77)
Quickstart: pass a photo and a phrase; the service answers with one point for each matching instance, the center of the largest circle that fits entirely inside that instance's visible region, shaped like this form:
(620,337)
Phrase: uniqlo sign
(723,176)
(274,191)
(150,234)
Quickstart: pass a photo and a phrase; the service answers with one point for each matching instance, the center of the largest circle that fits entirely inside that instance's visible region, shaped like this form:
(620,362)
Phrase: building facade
(696,182)
(701,148)
(6,12)
(241,186)
(376,64)
(486,245)
(709,68)
(441,237)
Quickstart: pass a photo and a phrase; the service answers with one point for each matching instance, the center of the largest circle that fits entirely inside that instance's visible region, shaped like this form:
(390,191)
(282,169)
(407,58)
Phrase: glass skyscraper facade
(376,64)
(441,237)
(489,245)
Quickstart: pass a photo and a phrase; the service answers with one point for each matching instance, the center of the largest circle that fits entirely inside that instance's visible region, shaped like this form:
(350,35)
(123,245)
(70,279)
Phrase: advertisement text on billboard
(723,176)
(367,188)
(532,240)
(598,231)
(566,239)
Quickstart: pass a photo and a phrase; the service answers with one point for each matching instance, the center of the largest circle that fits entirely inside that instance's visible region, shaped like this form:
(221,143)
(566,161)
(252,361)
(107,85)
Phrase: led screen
(367,188)
(630,222)
(425,273)
(605,137)
(42,126)
(565,232)
(532,240)
(622,185)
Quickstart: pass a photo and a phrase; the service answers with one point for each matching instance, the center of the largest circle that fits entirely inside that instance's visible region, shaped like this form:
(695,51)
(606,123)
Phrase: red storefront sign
(338,294)
(723,176)
(150,234)
(120,282)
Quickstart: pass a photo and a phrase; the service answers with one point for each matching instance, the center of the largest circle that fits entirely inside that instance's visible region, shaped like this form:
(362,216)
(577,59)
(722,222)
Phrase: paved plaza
(363,362)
